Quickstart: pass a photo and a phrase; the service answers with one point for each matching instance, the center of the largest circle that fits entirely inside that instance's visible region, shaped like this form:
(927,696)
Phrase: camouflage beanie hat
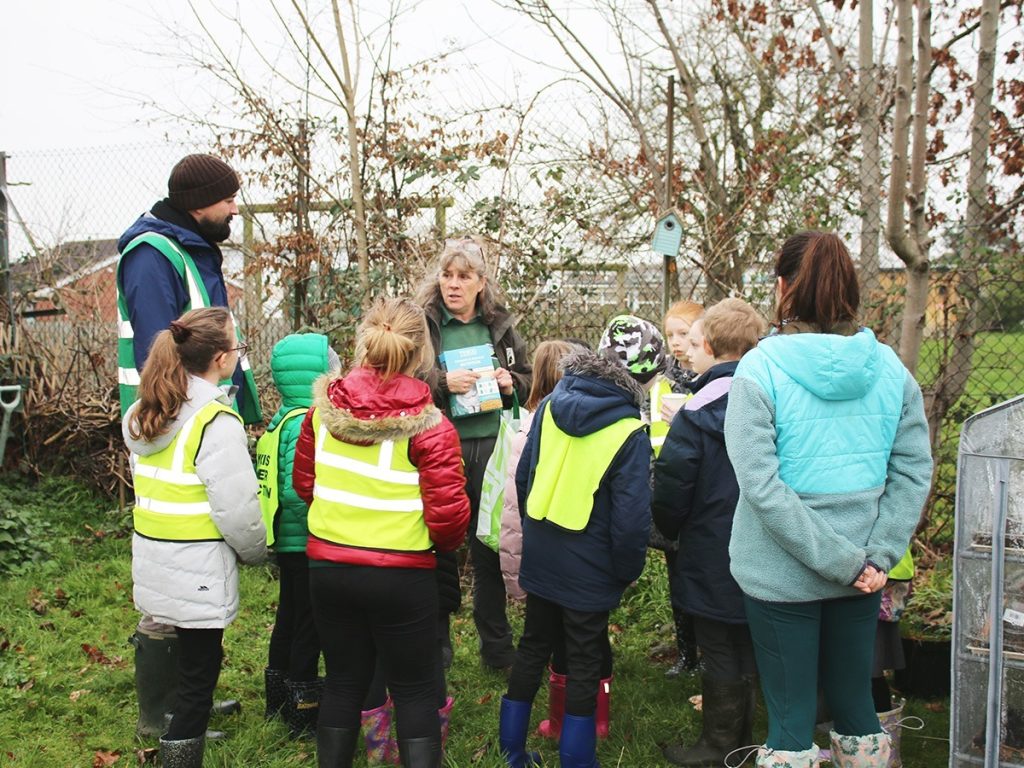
(635,344)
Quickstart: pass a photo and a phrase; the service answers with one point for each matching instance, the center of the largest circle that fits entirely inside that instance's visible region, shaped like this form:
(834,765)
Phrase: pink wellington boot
(552,727)
(604,704)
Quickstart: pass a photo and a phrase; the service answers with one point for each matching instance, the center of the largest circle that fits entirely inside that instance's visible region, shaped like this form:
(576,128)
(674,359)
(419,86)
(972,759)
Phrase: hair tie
(386,326)
(180,332)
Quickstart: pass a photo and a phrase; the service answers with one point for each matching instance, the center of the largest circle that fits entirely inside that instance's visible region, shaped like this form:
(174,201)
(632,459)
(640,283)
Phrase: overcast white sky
(78,73)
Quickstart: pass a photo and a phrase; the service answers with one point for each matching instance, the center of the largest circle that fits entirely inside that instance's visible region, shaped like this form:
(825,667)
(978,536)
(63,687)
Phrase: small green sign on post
(668,234)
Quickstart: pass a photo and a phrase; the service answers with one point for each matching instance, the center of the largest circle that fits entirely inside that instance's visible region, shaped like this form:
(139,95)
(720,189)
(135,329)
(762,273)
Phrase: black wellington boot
(303,707)
(156,679)
(275,691)
(724,709)
(182,753)
(335,747)
(420,753)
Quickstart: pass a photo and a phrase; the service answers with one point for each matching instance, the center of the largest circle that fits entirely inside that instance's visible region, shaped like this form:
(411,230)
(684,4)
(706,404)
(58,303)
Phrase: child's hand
(870,580)
(461,381)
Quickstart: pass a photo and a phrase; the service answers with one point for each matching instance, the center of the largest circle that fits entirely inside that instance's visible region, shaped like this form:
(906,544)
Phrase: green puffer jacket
(296,362)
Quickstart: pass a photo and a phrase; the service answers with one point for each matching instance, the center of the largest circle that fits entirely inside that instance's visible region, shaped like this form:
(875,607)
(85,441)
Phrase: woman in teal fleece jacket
(826,431)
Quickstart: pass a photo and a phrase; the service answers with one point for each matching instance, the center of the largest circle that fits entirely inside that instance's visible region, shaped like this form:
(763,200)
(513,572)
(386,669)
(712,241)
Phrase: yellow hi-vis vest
(267,470)
(659,427)
(366,496)
(904,569)
(170,500)
(570,469)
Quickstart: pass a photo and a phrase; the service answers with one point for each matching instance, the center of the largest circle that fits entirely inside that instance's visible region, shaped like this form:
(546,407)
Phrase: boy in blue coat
(584,495)
(695,496)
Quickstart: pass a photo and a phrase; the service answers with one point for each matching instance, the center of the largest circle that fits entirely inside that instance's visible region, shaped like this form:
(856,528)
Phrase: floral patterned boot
(780,758)
(871,751)
(381,748)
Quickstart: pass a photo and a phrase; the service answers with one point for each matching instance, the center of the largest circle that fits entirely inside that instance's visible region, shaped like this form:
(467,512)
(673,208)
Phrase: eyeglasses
(240,349)
(463,244)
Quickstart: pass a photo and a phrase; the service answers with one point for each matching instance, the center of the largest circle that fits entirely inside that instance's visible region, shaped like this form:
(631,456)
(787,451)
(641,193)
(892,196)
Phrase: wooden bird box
(668,233)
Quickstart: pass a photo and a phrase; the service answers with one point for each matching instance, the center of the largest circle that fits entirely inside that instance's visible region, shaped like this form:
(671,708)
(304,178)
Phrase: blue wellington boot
(513,723)
(578,746)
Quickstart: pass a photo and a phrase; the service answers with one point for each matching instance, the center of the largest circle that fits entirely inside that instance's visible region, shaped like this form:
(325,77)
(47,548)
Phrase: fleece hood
(200,393)
(594,393)
(829,366)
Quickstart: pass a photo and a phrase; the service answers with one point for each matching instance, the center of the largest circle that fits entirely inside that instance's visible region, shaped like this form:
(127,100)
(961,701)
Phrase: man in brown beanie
(170,263)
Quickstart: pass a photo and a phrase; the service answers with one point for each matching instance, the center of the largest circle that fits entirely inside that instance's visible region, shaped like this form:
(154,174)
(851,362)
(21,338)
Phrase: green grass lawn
(66,672)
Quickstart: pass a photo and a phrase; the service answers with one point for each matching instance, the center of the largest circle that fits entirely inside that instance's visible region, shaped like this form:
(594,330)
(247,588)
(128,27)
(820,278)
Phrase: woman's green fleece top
(296,362)
(829,441)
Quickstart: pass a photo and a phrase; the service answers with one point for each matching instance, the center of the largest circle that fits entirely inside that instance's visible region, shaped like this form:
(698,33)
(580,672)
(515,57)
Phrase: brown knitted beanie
(200,180)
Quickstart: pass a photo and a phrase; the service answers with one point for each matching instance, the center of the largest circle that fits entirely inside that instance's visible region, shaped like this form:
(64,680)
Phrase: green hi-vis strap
(904,569)
(247,405)
(515,404)
(268,465)
(570,469)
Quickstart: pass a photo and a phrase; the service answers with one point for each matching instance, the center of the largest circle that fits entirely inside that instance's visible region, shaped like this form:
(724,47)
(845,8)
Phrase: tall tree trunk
(953,379)
(912,246)
(870,164)
(354,164)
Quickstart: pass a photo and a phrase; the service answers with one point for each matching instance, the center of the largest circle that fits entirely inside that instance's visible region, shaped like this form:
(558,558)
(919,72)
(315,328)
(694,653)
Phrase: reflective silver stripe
(167,475)
(379,471)
(173,507)
(194,294)
(367,502)
(125,330)
(178,462)
(656,441)
(128,376)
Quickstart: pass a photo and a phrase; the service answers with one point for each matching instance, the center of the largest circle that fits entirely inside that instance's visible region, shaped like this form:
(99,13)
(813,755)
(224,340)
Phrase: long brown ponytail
(820,281)
(188,346)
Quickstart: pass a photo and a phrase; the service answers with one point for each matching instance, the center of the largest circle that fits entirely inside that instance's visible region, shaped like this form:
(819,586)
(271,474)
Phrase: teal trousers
(798,646)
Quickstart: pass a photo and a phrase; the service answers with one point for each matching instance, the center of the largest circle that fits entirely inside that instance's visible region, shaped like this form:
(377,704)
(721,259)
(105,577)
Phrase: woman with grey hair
(463,310)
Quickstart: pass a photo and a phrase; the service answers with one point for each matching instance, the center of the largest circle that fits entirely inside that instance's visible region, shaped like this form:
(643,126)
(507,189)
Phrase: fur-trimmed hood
(363,408)
(594,393)
(587,363)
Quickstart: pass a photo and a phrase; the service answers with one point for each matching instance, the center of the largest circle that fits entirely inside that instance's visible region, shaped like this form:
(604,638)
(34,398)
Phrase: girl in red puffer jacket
(381,468)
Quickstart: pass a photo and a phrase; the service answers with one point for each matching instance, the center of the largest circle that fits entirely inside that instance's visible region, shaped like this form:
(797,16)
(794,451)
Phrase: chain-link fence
(567,189)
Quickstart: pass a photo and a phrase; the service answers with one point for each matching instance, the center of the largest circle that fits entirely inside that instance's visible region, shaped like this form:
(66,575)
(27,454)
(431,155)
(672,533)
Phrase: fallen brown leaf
(479,752)
(102,758)
(76,695)
(935,706)
(96,656)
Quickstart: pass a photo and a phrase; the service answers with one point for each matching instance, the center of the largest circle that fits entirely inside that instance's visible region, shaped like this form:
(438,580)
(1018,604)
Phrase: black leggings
(364,613)
(584,635)
(199,655)
(496,648)
(294,644)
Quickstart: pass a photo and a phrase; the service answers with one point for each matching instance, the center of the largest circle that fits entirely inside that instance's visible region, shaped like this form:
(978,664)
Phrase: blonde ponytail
(392,338)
